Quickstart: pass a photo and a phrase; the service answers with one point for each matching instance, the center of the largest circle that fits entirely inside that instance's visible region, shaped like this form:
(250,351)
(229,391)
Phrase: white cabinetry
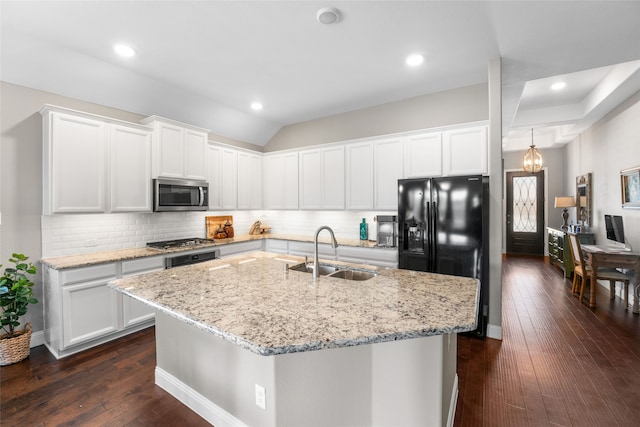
(249,180)
(240,247)
(178,149)
(229,179)
(74,159)
(388,157)
(214,176)
(465,151)
(322,178)
(130,177)
(93,164)
(381,257)
(359,180)
(423,155)
(281,181)
(81,311)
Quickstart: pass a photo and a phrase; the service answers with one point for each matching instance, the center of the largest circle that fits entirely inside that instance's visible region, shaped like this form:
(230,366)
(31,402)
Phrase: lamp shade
(565,202)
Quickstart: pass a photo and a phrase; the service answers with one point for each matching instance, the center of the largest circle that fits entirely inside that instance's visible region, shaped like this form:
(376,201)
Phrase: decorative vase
(13,350)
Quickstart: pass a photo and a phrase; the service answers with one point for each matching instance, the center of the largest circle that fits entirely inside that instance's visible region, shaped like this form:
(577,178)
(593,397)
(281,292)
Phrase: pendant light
(532,161)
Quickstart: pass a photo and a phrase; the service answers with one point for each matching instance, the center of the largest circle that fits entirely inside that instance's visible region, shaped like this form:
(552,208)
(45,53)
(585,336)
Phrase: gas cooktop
(180,243)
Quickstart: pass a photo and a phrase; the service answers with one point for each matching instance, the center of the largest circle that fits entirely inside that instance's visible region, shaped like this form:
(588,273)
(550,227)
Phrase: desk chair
(582,274)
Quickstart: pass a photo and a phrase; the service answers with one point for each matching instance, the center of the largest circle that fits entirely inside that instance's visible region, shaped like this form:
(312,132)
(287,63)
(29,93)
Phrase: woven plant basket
(13,350)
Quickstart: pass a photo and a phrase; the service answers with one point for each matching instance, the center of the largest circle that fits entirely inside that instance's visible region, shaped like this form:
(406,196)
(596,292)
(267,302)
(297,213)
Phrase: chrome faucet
(334,244)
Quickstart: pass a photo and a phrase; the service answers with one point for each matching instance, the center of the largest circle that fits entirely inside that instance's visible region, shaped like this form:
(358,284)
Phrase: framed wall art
(630,184)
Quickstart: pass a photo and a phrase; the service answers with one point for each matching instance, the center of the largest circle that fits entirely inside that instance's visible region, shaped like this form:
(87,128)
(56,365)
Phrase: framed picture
(630,183)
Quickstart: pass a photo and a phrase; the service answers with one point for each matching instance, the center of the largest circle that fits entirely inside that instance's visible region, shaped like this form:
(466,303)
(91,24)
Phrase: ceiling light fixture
(328,15)
(532,161)
(414,60)
(124,50)
(256,106)
(558,86)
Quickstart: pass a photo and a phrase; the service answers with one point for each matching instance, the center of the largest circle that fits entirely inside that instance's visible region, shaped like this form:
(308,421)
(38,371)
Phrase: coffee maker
(386,230)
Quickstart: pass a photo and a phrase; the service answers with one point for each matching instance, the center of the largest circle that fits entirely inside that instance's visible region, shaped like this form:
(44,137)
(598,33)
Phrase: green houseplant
(16,293)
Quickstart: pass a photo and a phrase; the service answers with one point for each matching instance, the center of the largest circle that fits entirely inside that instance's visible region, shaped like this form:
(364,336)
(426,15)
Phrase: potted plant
(16,293)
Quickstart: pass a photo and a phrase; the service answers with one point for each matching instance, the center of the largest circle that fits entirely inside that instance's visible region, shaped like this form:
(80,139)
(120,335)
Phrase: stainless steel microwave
(180,195)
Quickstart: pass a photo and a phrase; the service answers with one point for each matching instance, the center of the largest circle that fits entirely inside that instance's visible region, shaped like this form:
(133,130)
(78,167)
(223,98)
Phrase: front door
(525,213)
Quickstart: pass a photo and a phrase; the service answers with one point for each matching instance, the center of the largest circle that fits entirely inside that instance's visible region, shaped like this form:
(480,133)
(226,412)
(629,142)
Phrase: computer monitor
(615,230)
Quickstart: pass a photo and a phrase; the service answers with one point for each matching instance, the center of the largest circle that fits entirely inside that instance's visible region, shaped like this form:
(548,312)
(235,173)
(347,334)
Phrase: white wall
(611,145)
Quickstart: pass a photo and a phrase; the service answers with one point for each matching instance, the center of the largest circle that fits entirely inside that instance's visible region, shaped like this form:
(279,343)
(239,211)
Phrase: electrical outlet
(261,397)
(90,242)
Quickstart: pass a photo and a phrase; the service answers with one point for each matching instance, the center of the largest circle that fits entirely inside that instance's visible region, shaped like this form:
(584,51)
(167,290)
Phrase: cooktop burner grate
(179,243)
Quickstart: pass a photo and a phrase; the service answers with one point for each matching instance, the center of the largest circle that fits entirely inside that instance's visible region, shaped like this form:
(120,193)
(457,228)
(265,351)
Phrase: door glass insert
(524,204)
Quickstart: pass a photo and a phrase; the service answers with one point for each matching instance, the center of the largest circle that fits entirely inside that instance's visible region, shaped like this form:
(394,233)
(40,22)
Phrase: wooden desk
(603,256)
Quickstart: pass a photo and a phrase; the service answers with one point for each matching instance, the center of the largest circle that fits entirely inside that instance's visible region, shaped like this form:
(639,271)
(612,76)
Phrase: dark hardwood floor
(559,364)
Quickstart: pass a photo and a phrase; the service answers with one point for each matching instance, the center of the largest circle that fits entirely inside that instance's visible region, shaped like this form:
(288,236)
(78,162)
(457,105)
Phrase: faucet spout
(334,244)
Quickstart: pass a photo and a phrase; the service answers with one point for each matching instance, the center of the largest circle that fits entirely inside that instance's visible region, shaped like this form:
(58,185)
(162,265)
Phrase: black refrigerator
(443,227)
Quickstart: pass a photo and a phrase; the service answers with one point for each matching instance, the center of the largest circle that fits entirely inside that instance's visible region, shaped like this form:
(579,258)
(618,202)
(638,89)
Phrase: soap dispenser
(364,232)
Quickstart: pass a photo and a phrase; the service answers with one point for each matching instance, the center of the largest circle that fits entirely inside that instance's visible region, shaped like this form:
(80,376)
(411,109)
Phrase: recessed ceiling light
(558,85)
(414,60)
(256,106)
(124,50)
(328,15)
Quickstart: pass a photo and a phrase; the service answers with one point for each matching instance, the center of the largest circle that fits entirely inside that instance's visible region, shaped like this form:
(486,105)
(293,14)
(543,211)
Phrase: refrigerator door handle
(432,242)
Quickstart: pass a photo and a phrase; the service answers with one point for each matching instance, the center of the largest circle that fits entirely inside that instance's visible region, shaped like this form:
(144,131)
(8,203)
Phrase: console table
(559,251)
(603,256)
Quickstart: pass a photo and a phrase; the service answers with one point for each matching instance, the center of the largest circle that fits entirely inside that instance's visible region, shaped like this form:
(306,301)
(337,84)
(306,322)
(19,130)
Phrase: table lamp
(565,202)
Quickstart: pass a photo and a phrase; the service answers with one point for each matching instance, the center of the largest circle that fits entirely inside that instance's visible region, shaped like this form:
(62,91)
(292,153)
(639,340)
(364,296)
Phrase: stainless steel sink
(339,272)
(353,274)
(323,269)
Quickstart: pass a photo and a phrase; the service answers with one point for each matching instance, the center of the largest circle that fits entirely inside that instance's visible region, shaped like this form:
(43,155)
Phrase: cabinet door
(229,170)
(465,151)
(195,144)
(249,181)
(359,176)
(274,173)
(135,312)
(171,149)
(388,157)
(291,185)
(214,176)
(423,155)
(89,310)
(130,183)
(333,178)
(311,179)
(77,151)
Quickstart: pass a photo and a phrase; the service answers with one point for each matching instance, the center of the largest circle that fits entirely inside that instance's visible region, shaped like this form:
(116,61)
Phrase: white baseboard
(454,403)
(195,401)
(37,338)
(494,331)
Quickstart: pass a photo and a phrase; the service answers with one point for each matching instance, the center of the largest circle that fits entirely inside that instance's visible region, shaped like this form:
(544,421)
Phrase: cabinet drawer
(142,265)
(85,274)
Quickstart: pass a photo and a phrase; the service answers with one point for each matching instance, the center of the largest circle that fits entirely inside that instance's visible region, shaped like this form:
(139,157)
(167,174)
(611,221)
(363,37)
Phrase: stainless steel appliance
(187,244)
(386,230)
(443,227)
(180,195)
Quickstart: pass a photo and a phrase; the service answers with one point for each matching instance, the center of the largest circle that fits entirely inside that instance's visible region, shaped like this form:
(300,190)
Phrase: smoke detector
(328,15)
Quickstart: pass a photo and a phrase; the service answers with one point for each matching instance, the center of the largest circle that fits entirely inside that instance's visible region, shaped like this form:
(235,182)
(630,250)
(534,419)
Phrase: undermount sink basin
(353,274)
(338,272)
(323,269)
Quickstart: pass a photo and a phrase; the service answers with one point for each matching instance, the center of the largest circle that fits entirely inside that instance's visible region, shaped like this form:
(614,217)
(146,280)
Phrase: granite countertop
(251,301)
(84,260)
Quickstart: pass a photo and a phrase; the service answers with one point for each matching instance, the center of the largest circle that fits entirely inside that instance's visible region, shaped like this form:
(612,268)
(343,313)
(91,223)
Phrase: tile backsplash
(76,234)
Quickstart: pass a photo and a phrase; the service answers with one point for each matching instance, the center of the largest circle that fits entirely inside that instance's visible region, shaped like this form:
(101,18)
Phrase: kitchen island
(244,341)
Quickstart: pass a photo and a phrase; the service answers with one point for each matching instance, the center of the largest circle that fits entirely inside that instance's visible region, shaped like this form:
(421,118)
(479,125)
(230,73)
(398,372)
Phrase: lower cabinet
(240,247)
(81,311)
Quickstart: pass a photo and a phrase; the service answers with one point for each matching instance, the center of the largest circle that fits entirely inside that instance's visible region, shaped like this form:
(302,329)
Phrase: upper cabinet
(388,165)
(322,173)
(360,172)
(465,151)
(249,180)
(93,164)
(281,181)
(423,155)
(179,150)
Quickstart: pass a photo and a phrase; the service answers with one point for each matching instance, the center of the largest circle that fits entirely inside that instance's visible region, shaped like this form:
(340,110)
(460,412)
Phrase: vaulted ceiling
(206,62)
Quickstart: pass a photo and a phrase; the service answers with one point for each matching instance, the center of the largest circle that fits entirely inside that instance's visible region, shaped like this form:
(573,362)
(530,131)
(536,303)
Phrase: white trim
(454,403)
(37,338)
(195,401)
(494,331)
